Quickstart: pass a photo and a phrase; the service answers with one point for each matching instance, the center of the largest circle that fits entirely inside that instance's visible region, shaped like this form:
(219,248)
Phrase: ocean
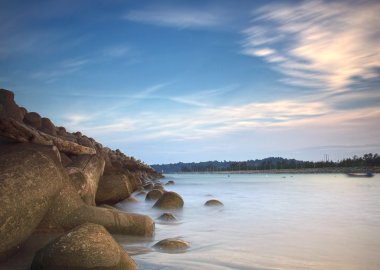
(274,221)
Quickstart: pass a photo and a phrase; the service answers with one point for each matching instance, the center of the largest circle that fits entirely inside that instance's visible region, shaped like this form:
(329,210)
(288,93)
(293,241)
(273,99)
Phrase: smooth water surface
(277,221)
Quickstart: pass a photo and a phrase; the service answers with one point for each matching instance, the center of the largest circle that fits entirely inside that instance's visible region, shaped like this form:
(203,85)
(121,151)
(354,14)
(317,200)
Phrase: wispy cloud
(214,121)
(176,17)
(318,44)
(66,67)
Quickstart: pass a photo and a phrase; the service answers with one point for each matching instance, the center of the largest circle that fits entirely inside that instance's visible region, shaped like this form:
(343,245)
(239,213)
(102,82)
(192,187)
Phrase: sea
(268,221)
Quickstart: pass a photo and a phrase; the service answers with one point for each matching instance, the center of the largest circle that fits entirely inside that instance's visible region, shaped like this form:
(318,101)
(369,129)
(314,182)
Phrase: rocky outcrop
(51,180)
(88,246)
(169,200)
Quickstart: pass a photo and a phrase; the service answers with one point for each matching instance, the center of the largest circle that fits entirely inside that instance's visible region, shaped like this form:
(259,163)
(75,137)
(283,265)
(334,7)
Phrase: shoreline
(290,171)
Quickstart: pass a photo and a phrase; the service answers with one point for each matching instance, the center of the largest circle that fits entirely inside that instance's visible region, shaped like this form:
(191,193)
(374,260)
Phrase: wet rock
(172,244)
(88,246)
(169,200)
(167,217)
(214,203)
(170,182)
(33,119)
(141,193)
(153,195)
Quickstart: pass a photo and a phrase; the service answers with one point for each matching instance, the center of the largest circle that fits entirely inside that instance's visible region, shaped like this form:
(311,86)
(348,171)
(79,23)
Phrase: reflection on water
(267,222)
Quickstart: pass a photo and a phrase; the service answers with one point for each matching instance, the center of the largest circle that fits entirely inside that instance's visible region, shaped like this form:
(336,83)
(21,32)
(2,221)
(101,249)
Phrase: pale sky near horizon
(169,81)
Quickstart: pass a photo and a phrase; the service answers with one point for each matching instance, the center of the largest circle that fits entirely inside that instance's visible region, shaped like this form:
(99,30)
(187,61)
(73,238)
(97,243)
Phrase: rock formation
(51,181)
(88,246)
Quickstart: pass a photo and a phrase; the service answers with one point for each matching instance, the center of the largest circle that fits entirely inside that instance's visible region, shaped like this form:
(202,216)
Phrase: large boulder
(8,107)
(88,246)
(85,172)
(113,189)
(30,178)
(169,200)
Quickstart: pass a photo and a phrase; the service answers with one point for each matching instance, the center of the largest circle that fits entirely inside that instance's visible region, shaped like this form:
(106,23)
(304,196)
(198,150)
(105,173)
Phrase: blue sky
(169,81)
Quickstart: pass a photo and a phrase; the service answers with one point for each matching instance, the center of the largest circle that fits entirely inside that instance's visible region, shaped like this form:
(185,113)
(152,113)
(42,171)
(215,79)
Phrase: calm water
(268,222)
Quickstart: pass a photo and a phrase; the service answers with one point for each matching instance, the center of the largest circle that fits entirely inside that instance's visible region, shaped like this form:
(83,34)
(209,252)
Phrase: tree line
(366,161)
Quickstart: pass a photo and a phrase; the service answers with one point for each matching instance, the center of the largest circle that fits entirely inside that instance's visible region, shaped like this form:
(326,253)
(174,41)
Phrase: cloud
(211,121)
(318,44)
(175,17)
(66,67)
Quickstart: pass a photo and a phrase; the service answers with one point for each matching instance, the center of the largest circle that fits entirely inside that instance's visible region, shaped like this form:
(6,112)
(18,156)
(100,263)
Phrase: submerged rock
(153,195)
(167,217)
(170,182)
(172,244)
(88,246)
(214,203)
(169,200)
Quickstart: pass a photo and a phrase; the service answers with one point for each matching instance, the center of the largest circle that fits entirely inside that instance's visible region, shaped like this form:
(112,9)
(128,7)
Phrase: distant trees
(367,160)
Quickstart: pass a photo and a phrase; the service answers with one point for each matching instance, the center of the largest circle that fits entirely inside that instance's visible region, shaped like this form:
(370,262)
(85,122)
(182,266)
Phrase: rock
(148,186)
(65,160)
(8,107)
(213,203)
(113,189)
(88,246)
(159,187)
(131,199)
(61,131)
(169,200)
(84,172)
(48,127)
(170,182)
(141,193)
(167,217)
(68,211)
(172,244)
(30,178)
(83,140)
(153,195)
(33,119)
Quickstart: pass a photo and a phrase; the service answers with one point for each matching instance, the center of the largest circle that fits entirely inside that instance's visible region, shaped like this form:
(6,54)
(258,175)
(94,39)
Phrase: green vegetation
(366,161)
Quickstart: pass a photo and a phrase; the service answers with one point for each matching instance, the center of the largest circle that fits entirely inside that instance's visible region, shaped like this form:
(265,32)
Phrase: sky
(169,81)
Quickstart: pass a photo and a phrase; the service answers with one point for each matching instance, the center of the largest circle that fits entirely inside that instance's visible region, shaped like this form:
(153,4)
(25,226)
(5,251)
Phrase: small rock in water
(170,182)
(213,203)
(172,244)
(153,195)
(169,200)
(167,217)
